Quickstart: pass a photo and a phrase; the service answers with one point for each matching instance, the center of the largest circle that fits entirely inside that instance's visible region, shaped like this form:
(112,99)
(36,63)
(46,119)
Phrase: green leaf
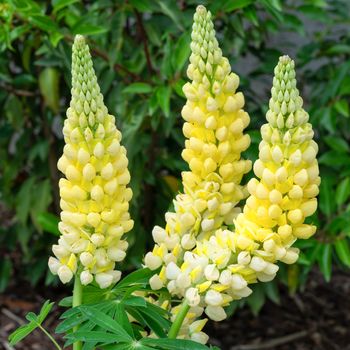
(335,159)
(14,111)
(343,251)
(163,98)
(142,5)
(55,38)
(256,299)
(271,289)
(21,332)
(88,29)
(94,336)
(122,318)
(60,4)
(42,200)
(338,49)
(106,322)
(325,261)
(24,200)
(138,276)
(119,347)
(182,52)
(232,5)
(173,344)
(135,301)
(154,317)
(138,88)
(343,191)
(31,317)
(293,277)
(5,272)
(49,87)
(45,309)
(66,302)
(327,196)
(19,30)
(70,322)
(250,13)
(337,143)
(49,223)
(35,321)
(45,23)
(171,10)
(342,106)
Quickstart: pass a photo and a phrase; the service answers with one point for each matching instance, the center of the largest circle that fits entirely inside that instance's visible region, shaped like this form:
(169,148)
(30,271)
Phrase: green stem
(50,336)
(77,299)
(175,327)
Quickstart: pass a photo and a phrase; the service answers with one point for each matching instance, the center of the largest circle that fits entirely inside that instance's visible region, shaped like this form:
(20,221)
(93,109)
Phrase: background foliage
(140,50)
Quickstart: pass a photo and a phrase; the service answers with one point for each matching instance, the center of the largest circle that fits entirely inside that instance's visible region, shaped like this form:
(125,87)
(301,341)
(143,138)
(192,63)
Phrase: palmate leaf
(70,322)
(173,344)
(140,276)
(21,332)
(34,322)
(75,316)
(93,336)
(119,347)
(106,322)
(135,301)
(121,317)
(149,315)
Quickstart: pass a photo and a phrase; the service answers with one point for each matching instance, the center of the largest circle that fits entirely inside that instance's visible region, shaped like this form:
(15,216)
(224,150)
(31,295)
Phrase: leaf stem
(175,327)
(77,300)
(50,336)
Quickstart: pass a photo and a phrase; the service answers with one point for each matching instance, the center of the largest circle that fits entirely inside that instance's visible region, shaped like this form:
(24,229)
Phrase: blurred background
(140,50)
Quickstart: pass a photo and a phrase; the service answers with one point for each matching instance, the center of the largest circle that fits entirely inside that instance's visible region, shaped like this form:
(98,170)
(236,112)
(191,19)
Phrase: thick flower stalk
(214,124)
(281,197)
(94,193)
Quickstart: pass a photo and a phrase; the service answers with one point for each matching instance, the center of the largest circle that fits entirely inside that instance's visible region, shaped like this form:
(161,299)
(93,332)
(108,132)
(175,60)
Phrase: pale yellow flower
(214,124)
(94,193)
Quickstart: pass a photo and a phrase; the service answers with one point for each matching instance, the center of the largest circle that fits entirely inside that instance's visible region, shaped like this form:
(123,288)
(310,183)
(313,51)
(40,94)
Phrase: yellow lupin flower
(94,193)
(214,124)
(287,169)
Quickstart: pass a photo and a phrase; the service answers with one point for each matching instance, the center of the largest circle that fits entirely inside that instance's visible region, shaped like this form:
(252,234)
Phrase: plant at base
(94,193)
(218,265)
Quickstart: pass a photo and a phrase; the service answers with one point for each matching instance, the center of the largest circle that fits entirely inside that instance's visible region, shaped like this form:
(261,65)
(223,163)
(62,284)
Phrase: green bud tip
(79,40)
(285,106)
(201,10)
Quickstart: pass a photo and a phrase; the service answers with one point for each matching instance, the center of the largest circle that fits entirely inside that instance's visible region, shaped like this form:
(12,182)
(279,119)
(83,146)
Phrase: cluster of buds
(94,193)
(200,258)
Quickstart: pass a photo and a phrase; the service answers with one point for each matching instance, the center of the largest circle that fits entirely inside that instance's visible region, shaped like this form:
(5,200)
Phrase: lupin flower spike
(287,169)
(94,193)
(214,124)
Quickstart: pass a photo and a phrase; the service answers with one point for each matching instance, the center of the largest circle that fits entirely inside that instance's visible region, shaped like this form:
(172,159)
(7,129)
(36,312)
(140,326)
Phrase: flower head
(214,124)
(94,193)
